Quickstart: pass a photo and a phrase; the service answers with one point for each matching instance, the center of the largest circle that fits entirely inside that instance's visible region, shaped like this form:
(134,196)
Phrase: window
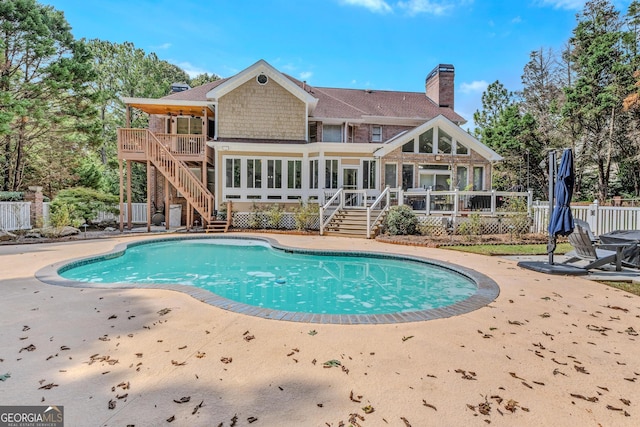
(232,173)
(376,133)
(313,131)
(391,175)
(189,125)
(407,176)
(408,147)
(461,149)
(254,173)
(331,174)
(436,177)
(313,174)
(274,173)
(462,177)
(478,178)
(331,133)
(294,172)
(425,142)
(368,174)
(445,142)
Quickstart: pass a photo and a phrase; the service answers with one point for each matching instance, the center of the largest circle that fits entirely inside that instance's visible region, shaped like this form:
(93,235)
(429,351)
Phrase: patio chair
(585,250)
(587,228)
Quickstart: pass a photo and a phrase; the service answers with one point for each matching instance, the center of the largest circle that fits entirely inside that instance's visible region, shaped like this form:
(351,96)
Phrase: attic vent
(262,79)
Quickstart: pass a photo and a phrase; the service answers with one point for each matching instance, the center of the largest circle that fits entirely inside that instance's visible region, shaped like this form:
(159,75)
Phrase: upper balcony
(186,147)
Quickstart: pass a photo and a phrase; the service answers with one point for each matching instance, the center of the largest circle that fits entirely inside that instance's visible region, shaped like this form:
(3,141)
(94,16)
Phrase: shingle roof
(351,103)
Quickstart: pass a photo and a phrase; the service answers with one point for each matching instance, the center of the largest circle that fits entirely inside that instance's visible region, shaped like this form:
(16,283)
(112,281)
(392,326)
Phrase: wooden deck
(188,148)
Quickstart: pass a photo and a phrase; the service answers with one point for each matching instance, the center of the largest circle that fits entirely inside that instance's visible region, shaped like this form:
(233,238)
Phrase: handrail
(337,195)
(385,195)
(176,171)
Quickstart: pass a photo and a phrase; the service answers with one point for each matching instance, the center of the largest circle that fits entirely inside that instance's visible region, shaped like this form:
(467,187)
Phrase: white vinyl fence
(601,219)
(15,216)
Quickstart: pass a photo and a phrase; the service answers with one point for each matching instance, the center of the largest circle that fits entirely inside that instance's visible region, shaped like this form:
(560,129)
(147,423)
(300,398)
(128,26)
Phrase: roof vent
(179,87)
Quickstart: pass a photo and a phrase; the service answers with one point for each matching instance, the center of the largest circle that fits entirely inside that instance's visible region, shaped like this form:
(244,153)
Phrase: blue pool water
(254,273)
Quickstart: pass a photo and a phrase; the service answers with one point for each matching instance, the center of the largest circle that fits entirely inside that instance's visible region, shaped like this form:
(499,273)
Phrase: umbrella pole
(551,246)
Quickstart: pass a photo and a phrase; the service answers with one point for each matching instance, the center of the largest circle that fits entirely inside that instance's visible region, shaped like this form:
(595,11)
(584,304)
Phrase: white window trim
(374,135)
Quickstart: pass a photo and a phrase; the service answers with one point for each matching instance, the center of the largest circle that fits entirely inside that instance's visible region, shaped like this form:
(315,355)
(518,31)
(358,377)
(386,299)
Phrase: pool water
(254,273)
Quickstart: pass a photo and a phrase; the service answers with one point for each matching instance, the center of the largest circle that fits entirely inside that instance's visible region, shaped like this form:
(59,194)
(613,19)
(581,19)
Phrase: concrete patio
(550,350)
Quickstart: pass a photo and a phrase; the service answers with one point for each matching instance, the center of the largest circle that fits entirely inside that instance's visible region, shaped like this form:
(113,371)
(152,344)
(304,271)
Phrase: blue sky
(377,44)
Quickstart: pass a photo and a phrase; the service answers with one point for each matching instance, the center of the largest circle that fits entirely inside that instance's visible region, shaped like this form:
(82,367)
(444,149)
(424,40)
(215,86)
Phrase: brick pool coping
(487,289)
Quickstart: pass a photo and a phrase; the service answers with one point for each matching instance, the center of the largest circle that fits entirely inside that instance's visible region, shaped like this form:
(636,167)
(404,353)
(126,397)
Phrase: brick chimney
(439,85)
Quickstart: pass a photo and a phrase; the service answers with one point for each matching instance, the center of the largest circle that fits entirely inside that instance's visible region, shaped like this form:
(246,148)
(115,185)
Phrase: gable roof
(363,105)
(261,67)
(451,128)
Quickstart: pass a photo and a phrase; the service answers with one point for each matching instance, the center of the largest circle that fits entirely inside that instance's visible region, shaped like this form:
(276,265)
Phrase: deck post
(121,195)
(167,208)
(149,196)
(129,202)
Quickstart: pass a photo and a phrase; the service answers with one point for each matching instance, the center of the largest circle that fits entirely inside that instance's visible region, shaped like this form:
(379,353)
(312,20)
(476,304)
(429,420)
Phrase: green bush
(401,220)
(274,216)
(471,227)
(305,215)
(79,205)
(255,216)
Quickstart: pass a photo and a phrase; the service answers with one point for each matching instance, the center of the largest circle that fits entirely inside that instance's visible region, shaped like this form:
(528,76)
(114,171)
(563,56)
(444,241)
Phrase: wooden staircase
(353,223)
(220,226)
(179,175)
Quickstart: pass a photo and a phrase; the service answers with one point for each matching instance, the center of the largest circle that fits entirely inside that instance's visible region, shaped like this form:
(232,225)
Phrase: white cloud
(305,75)
(162,46)
(192,70)
(379,6)
(475,86)
(564,4)
(516,20)
(414,7)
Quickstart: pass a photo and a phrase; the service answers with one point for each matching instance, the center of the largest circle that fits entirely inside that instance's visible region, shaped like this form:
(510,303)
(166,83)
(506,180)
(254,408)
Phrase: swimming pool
(259,277)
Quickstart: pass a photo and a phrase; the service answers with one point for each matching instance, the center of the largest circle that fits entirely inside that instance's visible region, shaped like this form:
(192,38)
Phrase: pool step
(353,223)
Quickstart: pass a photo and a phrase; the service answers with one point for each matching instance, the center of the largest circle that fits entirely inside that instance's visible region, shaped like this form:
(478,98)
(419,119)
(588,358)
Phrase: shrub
(255,216)
(79,205)
(401,220)
(305,215)
(274,216)
(471,227)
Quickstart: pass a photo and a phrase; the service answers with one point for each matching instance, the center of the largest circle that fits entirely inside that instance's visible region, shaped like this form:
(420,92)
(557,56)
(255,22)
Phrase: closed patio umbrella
(561,220)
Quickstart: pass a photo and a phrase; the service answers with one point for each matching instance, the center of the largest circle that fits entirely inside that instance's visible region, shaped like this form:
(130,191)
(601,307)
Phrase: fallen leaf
(48,386)
(164,311)
(368,409)
(30,347)
(183,399)
(313,332)
(171,418)
(333,363)
(226,360)
(428,405)
(198,406)
(588,399)
(407,338)
(357,399)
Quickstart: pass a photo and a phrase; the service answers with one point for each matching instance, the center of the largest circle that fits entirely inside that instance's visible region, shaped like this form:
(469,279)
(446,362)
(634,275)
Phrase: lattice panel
(249,220)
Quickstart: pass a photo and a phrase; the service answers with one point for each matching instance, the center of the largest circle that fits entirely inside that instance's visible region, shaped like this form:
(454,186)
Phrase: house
(262,136)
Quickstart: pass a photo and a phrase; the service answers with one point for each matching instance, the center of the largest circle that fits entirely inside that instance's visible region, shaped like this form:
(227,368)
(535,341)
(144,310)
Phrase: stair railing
(382,202)
(331,204)
(176,171)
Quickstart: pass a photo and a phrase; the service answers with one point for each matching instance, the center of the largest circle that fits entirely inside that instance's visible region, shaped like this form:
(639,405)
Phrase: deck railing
(134,140)
(382,203)
(176,171)
(333,205)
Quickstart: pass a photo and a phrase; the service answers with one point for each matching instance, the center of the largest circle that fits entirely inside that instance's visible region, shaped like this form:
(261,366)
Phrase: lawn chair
(585,250)
(587,228)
